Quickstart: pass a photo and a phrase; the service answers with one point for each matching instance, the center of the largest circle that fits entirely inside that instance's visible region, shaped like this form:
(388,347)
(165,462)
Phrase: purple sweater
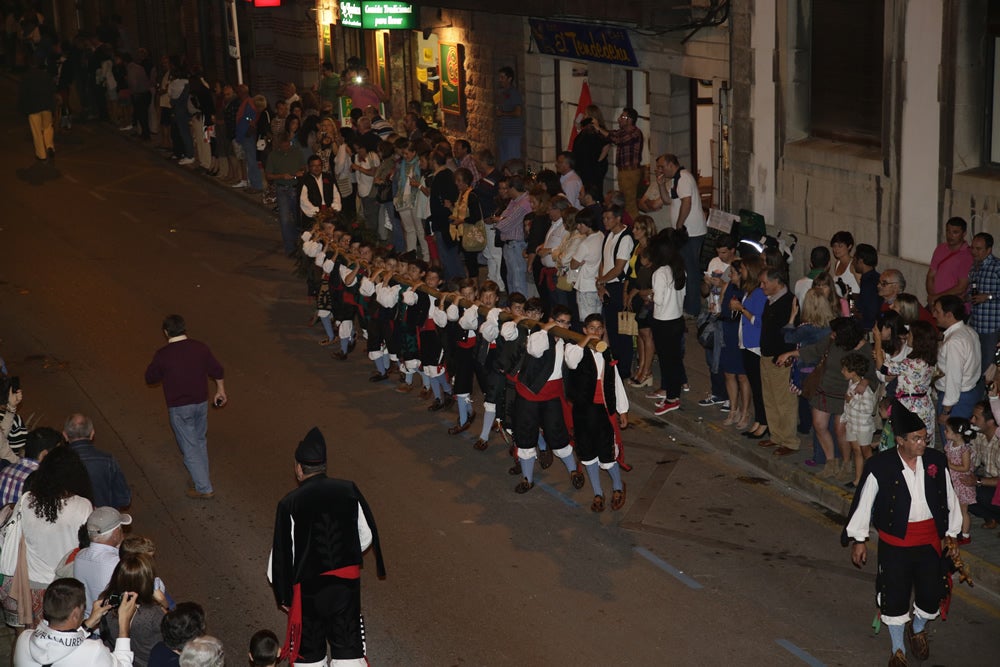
(182,367)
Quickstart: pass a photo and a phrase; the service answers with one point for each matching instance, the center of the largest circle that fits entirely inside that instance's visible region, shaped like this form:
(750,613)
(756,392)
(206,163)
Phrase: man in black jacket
(321,531)
(780,404)
(106,476)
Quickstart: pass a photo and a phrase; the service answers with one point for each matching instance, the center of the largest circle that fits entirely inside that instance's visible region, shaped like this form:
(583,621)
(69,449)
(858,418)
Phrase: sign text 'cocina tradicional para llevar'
(584,42)
(384,15)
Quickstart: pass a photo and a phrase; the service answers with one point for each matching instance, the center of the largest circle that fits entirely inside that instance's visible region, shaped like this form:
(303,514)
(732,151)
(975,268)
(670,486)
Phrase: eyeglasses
(883,283)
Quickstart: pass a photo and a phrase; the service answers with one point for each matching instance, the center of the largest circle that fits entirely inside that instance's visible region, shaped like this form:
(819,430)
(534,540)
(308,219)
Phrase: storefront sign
(452,77)
(387,15)
(580,41)
(350,13)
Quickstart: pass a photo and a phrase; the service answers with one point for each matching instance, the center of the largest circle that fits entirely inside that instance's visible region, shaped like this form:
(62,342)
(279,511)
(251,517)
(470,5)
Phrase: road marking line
(668,568)
(167,241)
(799,653)
(211,268)
(552,491)
(97,195)
(70,179)
(130,216)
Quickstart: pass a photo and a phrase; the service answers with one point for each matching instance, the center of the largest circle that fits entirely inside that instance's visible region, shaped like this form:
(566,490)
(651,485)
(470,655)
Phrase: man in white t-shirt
(569,180)
(618,246)
(652,205)
(680,187)
(586,262)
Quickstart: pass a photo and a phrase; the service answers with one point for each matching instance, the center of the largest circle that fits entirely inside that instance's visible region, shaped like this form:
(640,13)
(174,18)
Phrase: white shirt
(858,526)
(307,207)
(589,253)
(959,360)
(717,269)
(687,187)
(609,256)
(364,180)
(94,567)
(571,187)
(661,216)
(668,302)
(553,239)
(48,542)
(574,355)
(802,285)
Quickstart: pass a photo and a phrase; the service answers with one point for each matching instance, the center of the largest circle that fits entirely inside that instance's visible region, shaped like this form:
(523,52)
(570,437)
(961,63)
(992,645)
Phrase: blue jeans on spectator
(288,216)
(621,344)
(517,267)
(509,147)
(451,262)
(988,346)
(190,424)
(249,145)
(691,254)
(963,408)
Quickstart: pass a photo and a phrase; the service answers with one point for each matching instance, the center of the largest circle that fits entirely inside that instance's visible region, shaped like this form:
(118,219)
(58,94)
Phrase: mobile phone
(218,402)
(114,600)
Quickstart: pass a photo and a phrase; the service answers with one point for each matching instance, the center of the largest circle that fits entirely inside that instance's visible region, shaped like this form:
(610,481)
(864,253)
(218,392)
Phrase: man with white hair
(204,651)
(95,564)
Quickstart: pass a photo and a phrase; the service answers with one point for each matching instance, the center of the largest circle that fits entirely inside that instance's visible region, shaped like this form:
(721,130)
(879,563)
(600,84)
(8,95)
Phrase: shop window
(847,69)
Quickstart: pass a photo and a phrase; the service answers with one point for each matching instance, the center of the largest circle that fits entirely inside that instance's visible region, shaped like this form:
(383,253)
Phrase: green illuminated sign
(387,15)
(350,14)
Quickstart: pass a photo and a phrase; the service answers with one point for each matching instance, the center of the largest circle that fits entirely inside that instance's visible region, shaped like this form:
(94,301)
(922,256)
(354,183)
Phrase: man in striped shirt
(628,157)
(510,227)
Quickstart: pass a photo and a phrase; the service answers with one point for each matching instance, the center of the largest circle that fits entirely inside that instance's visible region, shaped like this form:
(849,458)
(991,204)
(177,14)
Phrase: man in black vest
(907,493)
(319,190)
(321,532)
(600,410)
(539,402)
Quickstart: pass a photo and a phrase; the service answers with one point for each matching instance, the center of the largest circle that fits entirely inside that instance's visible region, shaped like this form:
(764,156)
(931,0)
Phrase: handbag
(707,329)
(626,323)
(10,538)
(814,380)
(563,281)
(383,192)
(474,234)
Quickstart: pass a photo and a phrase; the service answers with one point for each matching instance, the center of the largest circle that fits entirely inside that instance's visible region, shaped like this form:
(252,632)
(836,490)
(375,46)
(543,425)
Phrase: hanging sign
(581,41)
(350,13)
(452,77)
(387,15)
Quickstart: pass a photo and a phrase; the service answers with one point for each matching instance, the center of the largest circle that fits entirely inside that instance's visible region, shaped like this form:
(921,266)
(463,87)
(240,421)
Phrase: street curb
(985,574)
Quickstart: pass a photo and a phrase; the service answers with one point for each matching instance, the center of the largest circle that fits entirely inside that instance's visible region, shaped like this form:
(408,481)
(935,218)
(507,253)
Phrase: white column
(921,126)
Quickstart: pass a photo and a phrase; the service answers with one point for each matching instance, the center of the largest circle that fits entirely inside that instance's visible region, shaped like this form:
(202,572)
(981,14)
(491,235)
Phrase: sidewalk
(982,555)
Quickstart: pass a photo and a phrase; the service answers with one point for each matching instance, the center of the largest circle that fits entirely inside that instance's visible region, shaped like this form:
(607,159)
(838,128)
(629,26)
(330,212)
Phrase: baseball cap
(105,519)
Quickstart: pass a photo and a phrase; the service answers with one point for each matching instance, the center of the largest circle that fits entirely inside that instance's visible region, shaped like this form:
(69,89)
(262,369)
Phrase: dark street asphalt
(710,562)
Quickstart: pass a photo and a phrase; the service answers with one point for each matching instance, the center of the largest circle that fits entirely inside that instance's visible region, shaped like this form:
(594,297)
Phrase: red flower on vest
(932,470)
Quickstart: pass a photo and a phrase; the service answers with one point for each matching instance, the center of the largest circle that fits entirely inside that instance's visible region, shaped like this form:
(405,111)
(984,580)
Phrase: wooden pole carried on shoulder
(566,334)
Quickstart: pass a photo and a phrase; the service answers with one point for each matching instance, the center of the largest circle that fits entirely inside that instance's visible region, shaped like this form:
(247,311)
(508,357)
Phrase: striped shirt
(12,480)
(511,222)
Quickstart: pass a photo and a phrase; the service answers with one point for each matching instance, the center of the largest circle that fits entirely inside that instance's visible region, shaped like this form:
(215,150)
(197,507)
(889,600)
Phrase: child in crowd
(264,649)
(859,410)
(886,438)
(958,436)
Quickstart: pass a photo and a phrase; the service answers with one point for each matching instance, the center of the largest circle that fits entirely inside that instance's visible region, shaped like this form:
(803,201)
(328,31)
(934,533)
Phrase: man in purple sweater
(182,366)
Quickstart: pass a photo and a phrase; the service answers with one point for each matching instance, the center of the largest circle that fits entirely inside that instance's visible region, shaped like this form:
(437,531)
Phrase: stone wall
(283,48)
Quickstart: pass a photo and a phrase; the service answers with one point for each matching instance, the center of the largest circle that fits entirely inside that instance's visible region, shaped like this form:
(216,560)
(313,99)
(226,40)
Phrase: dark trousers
(331,615)
(140,112)
(621,345)
(903,571)
(529,416)
(984,507)
(751,364)
(667,337)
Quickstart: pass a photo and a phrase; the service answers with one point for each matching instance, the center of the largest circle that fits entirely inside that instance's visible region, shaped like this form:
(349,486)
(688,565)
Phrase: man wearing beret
(321,532)
(907,493)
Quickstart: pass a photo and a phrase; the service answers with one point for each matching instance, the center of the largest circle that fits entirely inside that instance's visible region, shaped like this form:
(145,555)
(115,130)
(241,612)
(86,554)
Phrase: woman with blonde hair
(838,304)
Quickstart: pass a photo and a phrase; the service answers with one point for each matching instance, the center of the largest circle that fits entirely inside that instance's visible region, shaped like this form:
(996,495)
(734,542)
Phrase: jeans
(182,121)
(517,267)
(190,424)
(493,256)
(249,146)
(413,229)
(288,209)
(988,345)
(587,303)
(691,254)
(509,147)
(963,408)
(450,260)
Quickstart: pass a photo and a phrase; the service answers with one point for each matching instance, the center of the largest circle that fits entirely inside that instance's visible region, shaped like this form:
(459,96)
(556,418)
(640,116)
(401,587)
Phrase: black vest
(581,382)
(536,371)
(891,511)
(312,189)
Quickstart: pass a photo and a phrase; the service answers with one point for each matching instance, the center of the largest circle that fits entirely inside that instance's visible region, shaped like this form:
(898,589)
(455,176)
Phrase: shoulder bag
(814,380)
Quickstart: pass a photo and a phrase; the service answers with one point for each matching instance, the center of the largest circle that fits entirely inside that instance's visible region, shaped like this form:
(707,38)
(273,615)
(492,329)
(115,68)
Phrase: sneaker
(656,395)
(185,161)
(666,406)
(711,400)
(241,184)
(125,129)
(685,387)
(724,406)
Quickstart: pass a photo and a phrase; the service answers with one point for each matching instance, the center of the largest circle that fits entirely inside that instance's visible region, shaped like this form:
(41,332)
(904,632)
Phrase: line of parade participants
(547,392)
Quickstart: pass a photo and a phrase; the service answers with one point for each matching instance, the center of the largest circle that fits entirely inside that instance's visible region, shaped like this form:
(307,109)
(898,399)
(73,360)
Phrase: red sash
(918,533)
(548,277)
(293,634)
(550,390)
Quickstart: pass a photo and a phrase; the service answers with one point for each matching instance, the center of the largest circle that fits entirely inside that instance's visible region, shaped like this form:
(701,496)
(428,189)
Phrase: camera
(114,600)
